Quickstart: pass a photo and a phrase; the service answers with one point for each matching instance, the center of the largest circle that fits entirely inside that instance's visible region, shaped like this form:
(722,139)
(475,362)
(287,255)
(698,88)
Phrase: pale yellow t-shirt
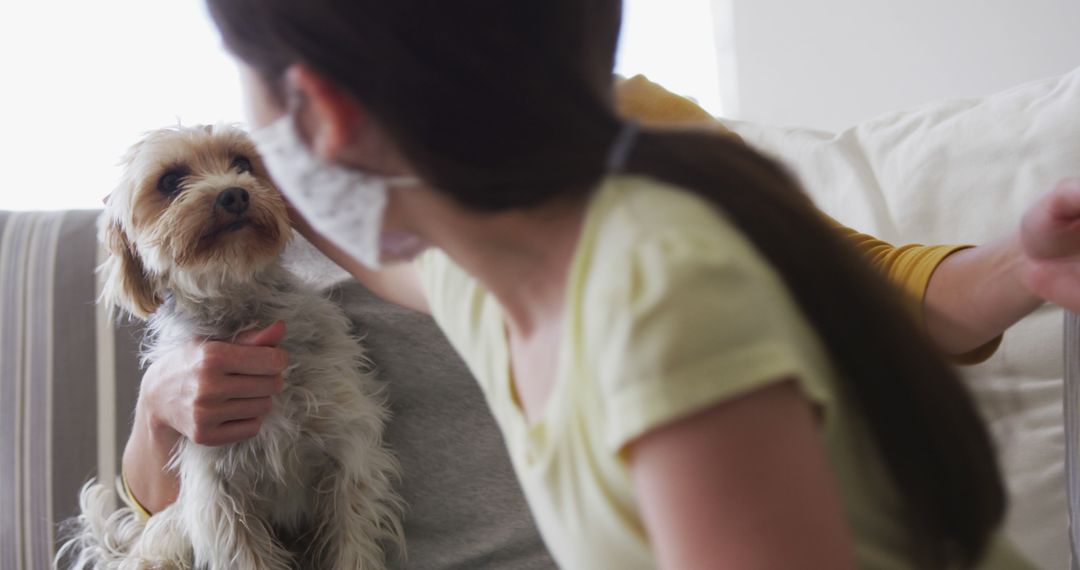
(670,310)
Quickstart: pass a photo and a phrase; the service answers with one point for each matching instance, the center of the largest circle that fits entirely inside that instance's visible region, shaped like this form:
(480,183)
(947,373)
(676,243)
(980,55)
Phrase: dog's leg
(226,532)
(163,544)
(359,515)
(102,536)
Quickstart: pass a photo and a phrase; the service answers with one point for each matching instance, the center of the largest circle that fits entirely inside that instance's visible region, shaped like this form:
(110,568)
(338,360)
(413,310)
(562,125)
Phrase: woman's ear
(330,118)
(127,286)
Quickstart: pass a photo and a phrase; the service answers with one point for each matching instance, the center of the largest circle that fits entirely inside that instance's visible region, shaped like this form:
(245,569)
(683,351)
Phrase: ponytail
(922,418)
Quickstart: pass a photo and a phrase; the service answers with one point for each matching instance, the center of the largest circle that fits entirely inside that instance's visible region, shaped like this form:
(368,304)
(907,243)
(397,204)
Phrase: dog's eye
(242,163)
(169,183)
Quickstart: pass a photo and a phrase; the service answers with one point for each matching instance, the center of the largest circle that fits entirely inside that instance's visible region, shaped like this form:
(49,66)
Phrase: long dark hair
(507,103)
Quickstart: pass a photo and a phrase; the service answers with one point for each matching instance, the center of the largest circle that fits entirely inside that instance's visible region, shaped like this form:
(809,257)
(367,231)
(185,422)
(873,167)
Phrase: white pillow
(964,171)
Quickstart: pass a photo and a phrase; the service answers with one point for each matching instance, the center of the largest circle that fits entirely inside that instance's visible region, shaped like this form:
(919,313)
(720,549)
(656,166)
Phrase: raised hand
(1050,240)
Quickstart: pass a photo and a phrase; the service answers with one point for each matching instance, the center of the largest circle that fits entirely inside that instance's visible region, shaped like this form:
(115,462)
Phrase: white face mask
(344,205)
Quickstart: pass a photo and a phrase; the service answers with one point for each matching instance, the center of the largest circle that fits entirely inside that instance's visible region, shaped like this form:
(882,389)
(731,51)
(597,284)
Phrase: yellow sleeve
(130,499)
(909,266)
(650,104)
(689,321)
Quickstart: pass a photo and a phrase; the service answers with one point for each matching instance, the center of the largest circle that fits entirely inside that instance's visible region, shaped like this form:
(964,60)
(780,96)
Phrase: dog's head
(195,211)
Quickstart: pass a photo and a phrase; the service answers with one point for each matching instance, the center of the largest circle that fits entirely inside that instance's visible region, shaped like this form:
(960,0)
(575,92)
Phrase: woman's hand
(212,393)
(215,393)
(1050,238)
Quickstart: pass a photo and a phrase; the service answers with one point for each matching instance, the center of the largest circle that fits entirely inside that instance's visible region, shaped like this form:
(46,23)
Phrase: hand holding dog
(213,392)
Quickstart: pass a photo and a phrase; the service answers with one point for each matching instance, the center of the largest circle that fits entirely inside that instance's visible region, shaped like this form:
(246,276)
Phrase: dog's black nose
(234,200)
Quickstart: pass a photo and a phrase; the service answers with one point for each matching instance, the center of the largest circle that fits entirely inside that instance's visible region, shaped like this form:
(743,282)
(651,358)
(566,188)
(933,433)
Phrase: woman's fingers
(269,336)
(229,432)
(1065,203)
(1050,237)
(216,392)
(1056,281)
(243,387)
(243,409)
(240,430)
(227,358)
(1051,227)
(221,423)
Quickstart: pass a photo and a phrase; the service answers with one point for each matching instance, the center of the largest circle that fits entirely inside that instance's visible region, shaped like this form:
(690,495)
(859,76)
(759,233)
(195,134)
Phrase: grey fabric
(74,439)
(10,325)
(1072,432)
(10,534)
(466,509)
(41,264)
(126,339)
(75,391)
(28,249)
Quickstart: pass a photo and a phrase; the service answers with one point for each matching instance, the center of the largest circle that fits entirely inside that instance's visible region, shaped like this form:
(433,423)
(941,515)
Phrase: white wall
(81,88)
(832,63)
(671,42)
(82,81)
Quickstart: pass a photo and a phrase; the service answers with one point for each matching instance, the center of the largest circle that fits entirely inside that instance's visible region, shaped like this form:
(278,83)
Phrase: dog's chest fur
(327,401)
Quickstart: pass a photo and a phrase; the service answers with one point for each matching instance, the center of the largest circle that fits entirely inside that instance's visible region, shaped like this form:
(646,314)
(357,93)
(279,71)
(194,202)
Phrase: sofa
(949,172)
(69,381)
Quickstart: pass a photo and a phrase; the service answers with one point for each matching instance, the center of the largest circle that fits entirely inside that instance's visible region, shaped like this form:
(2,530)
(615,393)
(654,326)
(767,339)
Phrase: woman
(636,344)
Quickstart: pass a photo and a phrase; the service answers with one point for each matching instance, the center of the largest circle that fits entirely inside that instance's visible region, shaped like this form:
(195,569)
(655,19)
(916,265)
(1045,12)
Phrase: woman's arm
(744,484)
(975,294)
(966,298)
(212,393)
(398,284)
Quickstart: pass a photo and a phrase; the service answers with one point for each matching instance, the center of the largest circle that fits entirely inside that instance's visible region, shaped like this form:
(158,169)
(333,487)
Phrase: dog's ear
(126,285)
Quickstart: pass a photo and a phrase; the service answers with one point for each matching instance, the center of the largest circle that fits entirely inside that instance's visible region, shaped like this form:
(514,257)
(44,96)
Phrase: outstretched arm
(965,296)
(975,294)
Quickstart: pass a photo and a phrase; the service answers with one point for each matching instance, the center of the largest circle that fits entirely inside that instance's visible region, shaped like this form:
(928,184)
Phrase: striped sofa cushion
(65,373)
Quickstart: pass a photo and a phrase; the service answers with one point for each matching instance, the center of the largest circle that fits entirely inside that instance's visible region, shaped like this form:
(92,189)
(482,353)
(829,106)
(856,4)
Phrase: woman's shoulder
(679,311)
(659,258)
(641,225)
(647,208)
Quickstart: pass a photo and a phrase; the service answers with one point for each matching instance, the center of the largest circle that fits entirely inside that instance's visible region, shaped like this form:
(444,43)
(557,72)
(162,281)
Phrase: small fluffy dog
(194,234)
